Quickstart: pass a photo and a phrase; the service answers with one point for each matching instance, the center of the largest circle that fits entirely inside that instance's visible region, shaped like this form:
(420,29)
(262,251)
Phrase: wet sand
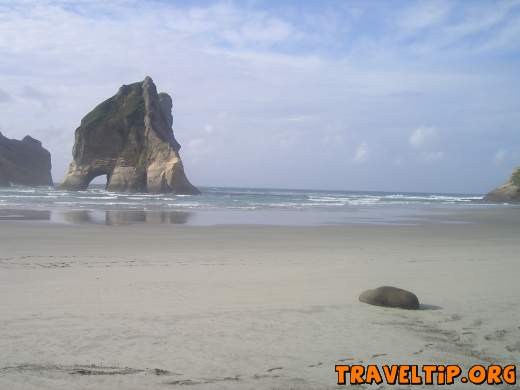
(88,306)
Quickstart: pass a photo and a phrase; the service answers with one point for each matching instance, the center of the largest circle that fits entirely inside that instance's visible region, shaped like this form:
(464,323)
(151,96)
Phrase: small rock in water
(390,297)
(508,192)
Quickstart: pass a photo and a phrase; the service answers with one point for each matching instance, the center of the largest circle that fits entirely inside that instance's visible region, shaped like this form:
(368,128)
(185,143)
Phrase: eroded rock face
(508,192)
(24,162)
(129,138)
(390,297)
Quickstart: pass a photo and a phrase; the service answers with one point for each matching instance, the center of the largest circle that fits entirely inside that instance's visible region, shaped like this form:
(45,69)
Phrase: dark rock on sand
(508,192)
(390,297)
(129,138)
(24,162)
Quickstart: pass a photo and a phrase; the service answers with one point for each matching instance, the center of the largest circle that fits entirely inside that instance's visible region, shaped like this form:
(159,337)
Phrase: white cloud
(361,153)
(197,150)
(423,137)
(424,15)
(4,97)
(208,129)
(288,140)
(425,141)
(444,26)
(333,141)
(262,31)
(499,157)
(431,157)
(300,118)
(31,93)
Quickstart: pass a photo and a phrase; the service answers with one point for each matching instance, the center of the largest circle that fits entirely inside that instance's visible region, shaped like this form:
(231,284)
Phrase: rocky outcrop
(508,192)
(24,162)
(390,297)
(129,138)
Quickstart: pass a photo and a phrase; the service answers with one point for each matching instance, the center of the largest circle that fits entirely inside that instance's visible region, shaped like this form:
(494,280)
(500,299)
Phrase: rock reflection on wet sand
(126,217)
(24,215)
(99,217)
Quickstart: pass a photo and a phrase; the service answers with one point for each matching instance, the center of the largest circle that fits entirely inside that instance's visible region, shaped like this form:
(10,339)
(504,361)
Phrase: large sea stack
(129,138)
(508,192)
(24,162)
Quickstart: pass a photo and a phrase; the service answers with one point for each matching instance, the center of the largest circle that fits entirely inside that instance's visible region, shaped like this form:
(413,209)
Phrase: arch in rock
(129,138)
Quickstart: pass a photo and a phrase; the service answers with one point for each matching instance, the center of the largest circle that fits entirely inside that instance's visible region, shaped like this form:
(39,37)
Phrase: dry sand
(249,307)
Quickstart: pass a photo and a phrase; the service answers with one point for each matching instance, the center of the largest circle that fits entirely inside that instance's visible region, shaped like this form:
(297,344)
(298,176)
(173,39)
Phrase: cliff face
(508,192)
(129,138)
(24,162)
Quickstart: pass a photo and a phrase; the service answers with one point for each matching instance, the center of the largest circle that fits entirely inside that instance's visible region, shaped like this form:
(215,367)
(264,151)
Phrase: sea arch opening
(98,181)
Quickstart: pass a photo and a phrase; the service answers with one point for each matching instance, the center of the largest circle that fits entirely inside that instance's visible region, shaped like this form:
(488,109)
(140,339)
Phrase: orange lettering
(510,374)
(429,370)
(342,370)
(403,375)
(493,375)
(452,372)
(415,378)
(390,374)
(356,374)
(373,375)
(441,375)
(477,374)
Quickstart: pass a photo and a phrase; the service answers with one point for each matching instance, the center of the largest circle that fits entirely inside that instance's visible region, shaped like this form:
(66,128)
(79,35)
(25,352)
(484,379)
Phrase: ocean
(218,205)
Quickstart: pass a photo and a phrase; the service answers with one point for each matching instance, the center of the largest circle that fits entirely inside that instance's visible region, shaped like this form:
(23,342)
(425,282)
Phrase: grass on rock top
(516,177)
(130,105)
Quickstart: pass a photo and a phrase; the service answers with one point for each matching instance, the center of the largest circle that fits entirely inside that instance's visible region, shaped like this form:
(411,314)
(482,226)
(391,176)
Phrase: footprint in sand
(426,346)
(477,323)
(513,348)
(496,335)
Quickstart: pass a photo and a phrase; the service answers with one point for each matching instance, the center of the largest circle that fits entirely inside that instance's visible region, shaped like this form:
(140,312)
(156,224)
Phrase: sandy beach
(259,195)
(250,307)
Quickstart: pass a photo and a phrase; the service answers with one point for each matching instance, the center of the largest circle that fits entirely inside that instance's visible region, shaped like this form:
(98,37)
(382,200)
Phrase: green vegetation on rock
(127,104)
(516,178)
(98,114)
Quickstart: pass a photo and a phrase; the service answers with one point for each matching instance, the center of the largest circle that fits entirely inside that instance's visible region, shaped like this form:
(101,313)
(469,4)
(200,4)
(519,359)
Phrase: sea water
(218,205)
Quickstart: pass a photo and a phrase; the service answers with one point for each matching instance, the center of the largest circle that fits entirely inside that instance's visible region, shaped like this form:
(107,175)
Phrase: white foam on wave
(24,196)
(97,197)
(244,208)
(186,205)
(324,199)
(229,199)
(434,197)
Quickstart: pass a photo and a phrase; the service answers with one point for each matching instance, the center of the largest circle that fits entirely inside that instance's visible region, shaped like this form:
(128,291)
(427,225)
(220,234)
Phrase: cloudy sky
(360,95)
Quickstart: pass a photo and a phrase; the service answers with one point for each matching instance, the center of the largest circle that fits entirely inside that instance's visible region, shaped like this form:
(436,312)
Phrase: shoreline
(381,215)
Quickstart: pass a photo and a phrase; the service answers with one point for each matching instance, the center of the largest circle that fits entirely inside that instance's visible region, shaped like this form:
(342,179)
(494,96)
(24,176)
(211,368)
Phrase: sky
(356,95)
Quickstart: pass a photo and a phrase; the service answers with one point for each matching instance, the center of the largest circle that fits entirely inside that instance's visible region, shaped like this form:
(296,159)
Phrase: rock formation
(390,297)
(24,162)
(508,192)
(129,138)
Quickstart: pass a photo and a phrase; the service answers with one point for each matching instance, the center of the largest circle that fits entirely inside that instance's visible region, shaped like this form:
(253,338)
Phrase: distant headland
(509,191)
(24,162)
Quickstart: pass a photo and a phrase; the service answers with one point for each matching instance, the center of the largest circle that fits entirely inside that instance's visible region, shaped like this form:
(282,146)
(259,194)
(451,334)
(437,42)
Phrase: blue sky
(375,95)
